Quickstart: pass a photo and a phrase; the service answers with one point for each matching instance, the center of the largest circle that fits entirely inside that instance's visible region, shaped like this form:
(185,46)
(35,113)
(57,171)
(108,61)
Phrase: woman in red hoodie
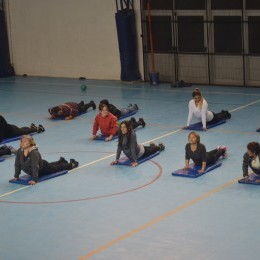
(106,123)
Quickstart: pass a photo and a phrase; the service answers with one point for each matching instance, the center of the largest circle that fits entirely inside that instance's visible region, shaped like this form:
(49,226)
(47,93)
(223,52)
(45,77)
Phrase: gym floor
(98,211)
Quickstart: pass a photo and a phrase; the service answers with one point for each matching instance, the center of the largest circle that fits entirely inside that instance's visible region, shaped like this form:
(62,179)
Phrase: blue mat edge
(198,126)
(24,179)
(128,163)
(212,167)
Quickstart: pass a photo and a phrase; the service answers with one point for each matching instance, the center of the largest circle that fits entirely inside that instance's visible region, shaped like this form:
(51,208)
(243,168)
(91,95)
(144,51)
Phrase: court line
(241,107)
(157,220)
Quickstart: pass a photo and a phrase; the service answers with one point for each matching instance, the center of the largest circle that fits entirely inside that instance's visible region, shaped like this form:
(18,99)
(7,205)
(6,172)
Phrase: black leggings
(49,168)
(219,116)
(148,150)
(214,155)
(8,131)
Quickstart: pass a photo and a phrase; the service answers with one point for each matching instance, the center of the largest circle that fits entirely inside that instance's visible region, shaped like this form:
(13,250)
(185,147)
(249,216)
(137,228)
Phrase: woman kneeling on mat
(9,131)
(251,159)
(198,107)
(128,144)
(28,159)
(196,151)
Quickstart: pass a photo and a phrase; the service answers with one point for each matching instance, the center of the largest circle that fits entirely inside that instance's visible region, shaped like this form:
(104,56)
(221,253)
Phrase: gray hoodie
(30,164)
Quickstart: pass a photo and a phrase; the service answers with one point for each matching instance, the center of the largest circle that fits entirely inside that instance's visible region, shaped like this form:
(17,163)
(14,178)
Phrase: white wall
(66,38)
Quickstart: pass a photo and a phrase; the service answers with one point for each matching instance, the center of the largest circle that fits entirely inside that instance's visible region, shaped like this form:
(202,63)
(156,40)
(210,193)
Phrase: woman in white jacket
(198,107)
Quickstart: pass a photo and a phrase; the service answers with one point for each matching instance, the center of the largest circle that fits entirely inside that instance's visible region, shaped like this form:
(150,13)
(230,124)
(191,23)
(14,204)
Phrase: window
(191,34)
(190,4)
(158,5)
(162,34)
(252,4)
(254,34)
(227,34)
(226,4)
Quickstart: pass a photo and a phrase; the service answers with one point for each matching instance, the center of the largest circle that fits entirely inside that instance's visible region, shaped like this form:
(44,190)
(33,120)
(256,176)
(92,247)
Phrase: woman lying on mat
(196,151)
(128,144)
(7,150)
(198,107)
(29,160)
(106,122)
(69,110)
(9,131)
(251,159)
(119,112)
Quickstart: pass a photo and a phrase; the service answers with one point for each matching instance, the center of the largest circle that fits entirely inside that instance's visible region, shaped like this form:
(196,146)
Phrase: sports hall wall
(66,38)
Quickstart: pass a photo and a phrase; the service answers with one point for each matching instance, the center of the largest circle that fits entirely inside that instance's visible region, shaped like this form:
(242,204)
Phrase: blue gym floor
(98,211)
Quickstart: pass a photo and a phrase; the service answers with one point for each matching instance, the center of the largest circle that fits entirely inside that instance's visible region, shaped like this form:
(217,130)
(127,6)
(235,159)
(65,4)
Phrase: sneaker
(141,122)
(93,105)
(224,149)
(152,144)
(33,126)
(12,149)
(161,146)
(133,120)
(136,107)
(228,115)
(63,160)
(74,163)
(40,129)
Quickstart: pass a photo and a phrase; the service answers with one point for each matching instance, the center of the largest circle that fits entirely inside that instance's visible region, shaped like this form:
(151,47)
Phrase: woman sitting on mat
(196,151)
(198,107)
(7,150)
(106,122)
(251,159)
(9,131)
(69,110)
(28,159)
(128,144)
(119,112)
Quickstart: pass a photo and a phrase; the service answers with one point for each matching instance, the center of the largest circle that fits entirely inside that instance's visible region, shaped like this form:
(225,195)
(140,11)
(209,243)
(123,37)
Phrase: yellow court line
(157,220)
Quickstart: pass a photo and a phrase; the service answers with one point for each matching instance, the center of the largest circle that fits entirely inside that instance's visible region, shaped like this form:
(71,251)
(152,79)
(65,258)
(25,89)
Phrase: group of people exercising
(29,160)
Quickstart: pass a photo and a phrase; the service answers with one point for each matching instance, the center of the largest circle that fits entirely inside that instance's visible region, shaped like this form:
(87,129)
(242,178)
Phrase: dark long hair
(254,147)
(129,127)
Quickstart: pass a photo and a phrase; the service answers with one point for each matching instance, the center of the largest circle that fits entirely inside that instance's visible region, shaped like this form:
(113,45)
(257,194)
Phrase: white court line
(250,104)
(109,156)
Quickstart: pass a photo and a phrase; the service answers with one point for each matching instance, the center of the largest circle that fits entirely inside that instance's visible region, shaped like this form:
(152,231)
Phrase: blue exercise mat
(103,137)
(251,179)
(11,139)
(198,126)
(63,117)
(26,178)
(126,161)
(2,159)
(193,171)
(131,113)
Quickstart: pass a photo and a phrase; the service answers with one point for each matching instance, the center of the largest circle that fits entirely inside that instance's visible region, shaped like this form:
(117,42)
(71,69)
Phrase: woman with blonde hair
(198,107)
(29,160)
(196,151)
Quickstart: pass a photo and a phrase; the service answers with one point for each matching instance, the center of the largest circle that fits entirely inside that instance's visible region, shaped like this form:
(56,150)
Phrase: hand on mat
(32,182)
(185,127)
(109,138)
(205,129)
(201,171)
(14,179)
(114,162)
(134,164)
(93,137)
(68,117)
(186,168)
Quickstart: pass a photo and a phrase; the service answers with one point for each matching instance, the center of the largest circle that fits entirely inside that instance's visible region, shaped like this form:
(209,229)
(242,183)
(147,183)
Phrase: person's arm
(118,153)
(35,165)
(187,157)
(203,167)
(133,144)
(245,164)
(95,126)
(113,128)
(203,154)
(204,111)
(17,165)
(190,115)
